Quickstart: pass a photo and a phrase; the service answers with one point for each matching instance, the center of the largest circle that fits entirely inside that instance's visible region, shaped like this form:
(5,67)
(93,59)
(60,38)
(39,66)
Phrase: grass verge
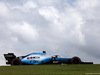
(51,69)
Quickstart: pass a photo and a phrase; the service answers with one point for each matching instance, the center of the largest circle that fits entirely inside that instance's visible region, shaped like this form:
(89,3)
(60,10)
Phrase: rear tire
(75,60)
(16,62)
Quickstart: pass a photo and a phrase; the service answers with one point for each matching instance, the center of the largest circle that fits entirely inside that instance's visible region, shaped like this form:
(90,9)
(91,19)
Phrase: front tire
(75,60)
(16,62)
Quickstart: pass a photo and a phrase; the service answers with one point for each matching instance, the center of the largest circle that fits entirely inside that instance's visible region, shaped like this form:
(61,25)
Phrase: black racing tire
(75,60)
(16,62)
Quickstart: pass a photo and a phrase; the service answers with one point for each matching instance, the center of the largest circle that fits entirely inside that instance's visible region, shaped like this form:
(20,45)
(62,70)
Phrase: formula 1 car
(41,58)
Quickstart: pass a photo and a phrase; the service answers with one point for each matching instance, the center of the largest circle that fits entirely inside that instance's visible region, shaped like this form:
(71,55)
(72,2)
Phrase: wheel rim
(16,62)
(75,60)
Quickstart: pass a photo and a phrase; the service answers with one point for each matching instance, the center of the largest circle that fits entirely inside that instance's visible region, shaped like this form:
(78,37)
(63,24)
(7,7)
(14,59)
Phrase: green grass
(50,69)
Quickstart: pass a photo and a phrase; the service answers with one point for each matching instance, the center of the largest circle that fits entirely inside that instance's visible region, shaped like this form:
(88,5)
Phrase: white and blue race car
(41,58)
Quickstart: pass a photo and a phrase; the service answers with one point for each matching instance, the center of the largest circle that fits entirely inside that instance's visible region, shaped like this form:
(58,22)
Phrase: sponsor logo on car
(33,57)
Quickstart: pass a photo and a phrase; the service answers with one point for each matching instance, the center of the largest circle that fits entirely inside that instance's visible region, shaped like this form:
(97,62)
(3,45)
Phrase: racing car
(41,58)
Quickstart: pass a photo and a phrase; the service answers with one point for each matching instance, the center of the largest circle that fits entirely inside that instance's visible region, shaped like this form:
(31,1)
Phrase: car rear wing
(9,57)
